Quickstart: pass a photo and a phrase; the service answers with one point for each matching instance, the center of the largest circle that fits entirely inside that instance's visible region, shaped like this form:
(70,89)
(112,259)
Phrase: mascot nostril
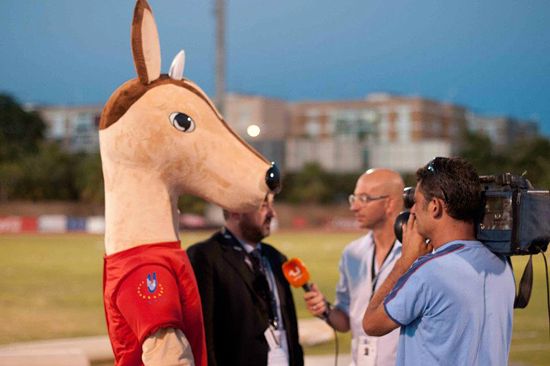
(273,178)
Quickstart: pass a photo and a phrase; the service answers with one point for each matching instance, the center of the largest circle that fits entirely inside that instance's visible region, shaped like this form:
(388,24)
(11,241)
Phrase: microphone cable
(325,317)
(336,347)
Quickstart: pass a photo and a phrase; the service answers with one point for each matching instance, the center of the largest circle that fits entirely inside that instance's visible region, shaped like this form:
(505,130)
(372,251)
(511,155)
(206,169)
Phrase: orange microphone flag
(296,273)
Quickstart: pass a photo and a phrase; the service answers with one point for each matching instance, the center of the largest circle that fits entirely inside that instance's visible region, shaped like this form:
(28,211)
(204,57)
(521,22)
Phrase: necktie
(256,259)
(262,286)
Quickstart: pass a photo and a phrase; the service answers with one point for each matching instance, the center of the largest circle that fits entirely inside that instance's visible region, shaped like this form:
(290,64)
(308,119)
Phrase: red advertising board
(18,224)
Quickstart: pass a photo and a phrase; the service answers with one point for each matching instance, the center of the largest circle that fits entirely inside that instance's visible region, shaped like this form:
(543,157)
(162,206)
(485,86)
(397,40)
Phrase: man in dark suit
(248,309)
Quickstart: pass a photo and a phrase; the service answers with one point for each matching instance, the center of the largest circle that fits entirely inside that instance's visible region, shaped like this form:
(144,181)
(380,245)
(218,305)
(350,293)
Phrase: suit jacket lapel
(234,255)
(277,273)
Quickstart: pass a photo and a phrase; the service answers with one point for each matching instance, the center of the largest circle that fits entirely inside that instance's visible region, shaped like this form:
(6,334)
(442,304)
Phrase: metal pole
(220,54)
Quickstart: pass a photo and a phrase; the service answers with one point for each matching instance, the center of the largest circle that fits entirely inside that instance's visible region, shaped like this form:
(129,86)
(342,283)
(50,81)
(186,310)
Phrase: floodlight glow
(253,130)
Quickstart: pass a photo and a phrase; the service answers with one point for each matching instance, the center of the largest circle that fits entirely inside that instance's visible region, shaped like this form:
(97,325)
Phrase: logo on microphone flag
(296,272)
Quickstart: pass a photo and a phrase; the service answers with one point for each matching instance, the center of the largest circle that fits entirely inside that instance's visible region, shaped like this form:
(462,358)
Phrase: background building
(346,136)
(262,122)
(503,131)
(381,130)
(74,127)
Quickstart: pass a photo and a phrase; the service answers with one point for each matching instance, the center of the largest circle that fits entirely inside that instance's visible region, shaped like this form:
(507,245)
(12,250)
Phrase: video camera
(515,219)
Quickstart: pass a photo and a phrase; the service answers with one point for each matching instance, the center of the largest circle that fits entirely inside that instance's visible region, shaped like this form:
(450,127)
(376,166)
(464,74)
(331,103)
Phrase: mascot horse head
(160,137)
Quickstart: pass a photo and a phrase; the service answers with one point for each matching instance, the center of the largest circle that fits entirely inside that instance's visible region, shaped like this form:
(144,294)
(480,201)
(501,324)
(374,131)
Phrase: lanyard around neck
(375,275)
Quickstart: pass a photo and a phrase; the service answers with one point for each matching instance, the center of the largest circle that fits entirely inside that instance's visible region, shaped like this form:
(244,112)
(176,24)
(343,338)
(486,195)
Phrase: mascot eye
(182,122)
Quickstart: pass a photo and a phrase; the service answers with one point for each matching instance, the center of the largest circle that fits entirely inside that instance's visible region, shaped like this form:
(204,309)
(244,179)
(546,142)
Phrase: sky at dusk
(491,56)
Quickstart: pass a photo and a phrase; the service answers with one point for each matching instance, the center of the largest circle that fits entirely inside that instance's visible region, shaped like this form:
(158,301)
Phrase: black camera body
(515,219)
(403,217)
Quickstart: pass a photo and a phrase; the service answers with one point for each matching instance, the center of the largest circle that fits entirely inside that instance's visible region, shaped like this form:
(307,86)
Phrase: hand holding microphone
(297,275)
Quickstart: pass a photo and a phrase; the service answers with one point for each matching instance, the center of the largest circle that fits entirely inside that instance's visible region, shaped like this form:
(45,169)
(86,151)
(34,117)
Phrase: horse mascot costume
(160,137)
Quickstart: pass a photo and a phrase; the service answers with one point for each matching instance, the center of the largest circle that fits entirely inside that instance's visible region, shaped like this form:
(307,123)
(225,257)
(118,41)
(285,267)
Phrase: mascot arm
(167,346)
(148,300)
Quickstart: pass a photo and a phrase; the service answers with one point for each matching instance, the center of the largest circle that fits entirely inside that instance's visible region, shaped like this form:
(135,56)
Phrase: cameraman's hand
(414,244)
(315,301)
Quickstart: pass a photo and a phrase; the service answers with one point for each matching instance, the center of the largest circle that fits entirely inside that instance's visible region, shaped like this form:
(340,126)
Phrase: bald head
(383,182)
(386,180)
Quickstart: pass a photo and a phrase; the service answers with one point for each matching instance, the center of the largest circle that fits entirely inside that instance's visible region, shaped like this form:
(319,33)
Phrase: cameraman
(455,304)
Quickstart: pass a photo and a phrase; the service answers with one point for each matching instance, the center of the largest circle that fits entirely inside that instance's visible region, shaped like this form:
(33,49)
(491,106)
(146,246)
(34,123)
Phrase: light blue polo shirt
(355,289)
(455,307)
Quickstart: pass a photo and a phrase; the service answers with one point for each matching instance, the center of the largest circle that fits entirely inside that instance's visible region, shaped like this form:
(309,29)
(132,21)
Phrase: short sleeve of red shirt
(148,300)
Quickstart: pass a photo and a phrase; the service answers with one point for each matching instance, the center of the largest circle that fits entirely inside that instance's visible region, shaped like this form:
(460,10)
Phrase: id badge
(366,351)
(273,338)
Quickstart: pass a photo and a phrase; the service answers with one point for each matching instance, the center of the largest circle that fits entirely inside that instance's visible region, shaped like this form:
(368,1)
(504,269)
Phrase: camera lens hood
(401,220)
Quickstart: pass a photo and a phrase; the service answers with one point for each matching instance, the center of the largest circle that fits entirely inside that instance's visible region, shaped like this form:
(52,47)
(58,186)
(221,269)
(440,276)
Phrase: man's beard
(253,233)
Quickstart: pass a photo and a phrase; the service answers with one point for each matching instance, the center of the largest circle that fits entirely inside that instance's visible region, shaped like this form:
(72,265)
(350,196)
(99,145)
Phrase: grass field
(50,287)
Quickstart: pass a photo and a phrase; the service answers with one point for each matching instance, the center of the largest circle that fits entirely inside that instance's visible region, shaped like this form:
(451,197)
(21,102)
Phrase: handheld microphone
(297,275)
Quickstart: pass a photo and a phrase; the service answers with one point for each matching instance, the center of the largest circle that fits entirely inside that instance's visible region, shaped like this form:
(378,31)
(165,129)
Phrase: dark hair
(455,181)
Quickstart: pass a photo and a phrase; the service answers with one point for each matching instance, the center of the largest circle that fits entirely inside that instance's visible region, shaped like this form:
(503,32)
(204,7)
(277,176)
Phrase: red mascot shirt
(147,288)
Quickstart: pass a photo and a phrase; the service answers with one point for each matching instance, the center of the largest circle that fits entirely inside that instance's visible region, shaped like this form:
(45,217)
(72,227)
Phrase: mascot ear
(176,69)
(145,43)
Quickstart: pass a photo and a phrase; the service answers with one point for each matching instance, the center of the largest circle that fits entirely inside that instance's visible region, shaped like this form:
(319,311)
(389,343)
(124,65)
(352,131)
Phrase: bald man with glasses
(364,265)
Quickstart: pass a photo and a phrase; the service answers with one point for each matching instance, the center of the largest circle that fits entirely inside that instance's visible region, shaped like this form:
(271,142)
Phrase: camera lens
(403,217)
(401,220)
(408,197)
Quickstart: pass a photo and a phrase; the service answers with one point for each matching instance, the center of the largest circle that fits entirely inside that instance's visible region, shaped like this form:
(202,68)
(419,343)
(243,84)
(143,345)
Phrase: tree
(11,174)
(20,132)
(47,175)
(530,156)
(479,150)
(34,169)
(89,178)
(533,158)
(191,204)
(307,186)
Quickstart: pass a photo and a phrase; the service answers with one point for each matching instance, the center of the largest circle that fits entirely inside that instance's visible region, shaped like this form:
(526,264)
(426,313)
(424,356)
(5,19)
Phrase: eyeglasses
(432,168)
(364,198)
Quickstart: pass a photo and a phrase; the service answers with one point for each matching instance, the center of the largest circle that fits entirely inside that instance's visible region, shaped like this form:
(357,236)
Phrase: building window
(57,129)
(343,127)
(245,115)
(313,127)
(404,124)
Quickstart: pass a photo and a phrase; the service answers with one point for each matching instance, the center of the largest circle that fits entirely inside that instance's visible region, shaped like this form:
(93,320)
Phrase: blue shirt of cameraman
(455,307)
